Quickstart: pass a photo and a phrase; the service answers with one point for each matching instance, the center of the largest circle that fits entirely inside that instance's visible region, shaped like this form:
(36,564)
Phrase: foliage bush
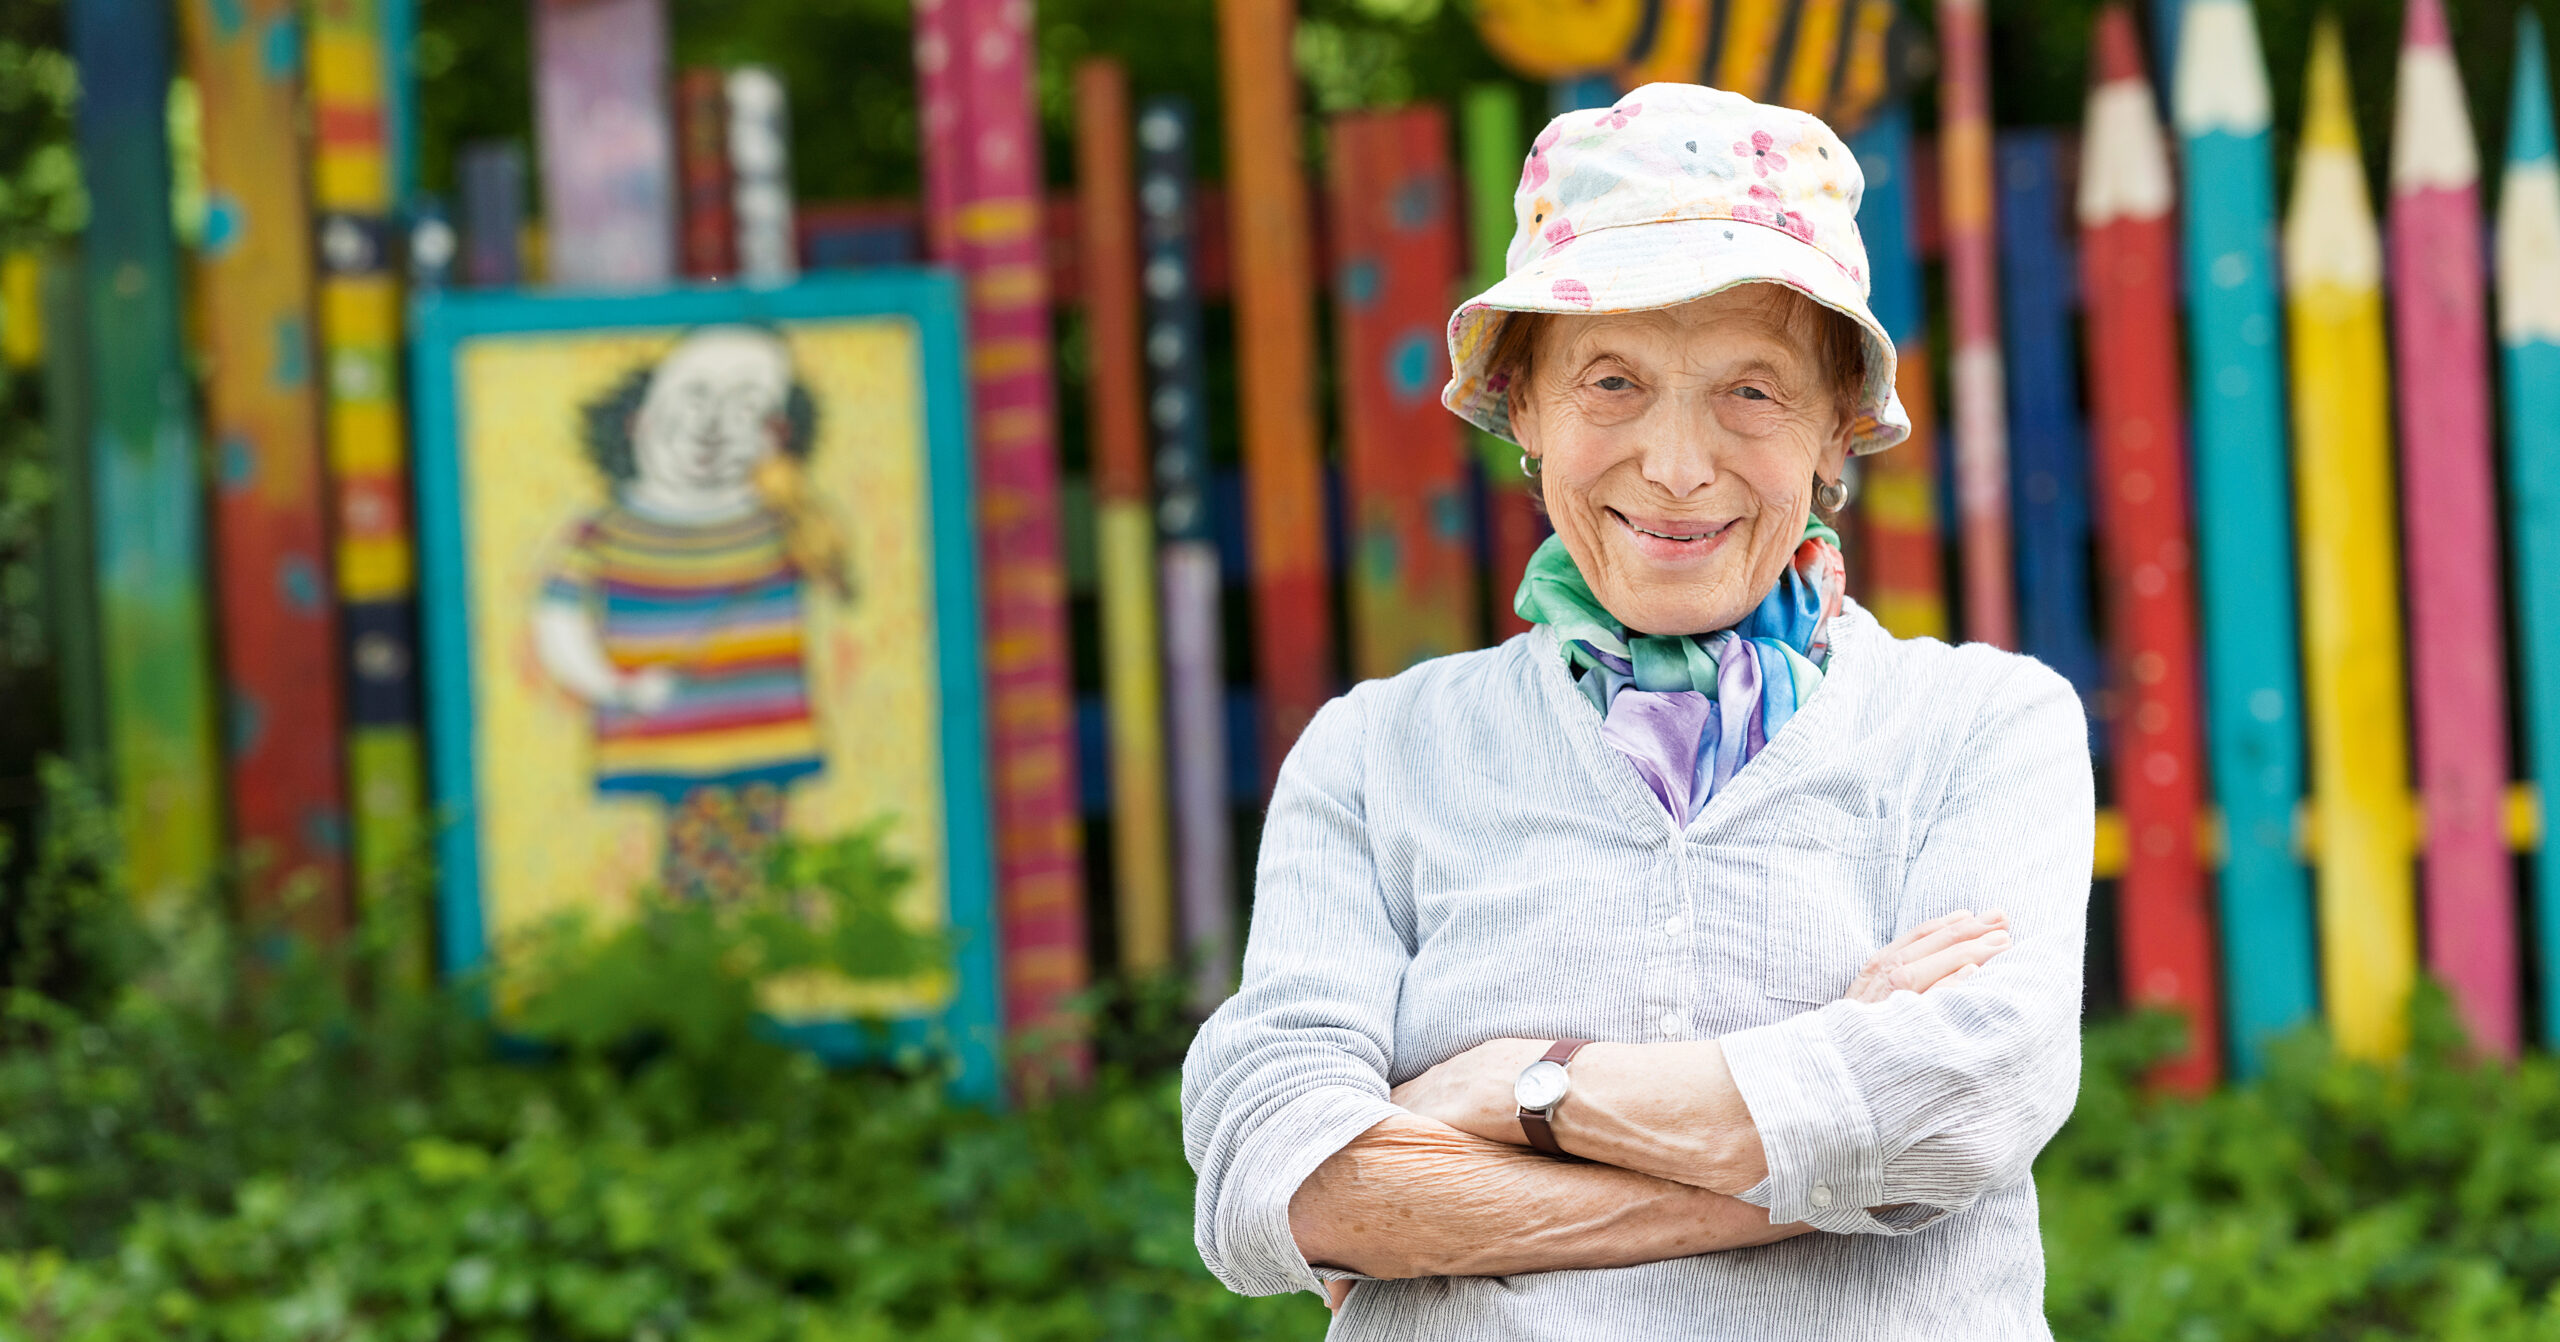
(2329,1199)
(313,1147)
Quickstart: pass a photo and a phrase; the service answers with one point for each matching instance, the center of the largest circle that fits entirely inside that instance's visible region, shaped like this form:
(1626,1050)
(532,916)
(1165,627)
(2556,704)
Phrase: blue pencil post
(2244,524)
(2048,443)
(2528,273)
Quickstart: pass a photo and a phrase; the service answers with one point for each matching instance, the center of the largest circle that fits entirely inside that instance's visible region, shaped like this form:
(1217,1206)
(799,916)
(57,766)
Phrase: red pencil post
(2138,410)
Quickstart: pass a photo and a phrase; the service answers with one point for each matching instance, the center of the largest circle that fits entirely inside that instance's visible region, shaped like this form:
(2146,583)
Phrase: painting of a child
(677,612)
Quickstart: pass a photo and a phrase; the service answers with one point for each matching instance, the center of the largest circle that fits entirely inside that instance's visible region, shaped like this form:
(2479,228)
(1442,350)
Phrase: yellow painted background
(548,842)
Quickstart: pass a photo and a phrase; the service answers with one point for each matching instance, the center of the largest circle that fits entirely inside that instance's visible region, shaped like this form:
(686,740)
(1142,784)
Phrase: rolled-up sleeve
(1295,1065)
(1920,1104)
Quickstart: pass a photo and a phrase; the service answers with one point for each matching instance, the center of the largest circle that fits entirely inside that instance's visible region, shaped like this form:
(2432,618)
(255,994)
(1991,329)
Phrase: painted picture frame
(698,579)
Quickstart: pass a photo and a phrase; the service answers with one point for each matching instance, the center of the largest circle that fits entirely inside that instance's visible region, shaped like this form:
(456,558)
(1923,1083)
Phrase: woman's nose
(1680,452)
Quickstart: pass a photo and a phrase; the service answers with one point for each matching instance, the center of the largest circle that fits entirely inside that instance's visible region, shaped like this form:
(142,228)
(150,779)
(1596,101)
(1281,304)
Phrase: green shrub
(225,1135)
(2330,1199)
(248,1138)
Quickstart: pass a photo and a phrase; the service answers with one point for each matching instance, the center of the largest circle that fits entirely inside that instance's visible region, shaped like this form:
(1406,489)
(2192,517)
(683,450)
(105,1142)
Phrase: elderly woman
(1627,980)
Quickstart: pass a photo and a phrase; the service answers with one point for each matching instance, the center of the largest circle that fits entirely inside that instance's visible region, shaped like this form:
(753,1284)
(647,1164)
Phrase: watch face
(1541,1084)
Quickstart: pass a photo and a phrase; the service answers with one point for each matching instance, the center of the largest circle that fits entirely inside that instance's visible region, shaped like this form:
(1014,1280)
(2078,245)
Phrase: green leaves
(2329,1200)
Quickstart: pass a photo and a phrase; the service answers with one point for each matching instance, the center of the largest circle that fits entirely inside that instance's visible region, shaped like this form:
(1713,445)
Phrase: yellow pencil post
(2350,598)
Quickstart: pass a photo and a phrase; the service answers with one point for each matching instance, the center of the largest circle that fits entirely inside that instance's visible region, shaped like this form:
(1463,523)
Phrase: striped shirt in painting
(719,604)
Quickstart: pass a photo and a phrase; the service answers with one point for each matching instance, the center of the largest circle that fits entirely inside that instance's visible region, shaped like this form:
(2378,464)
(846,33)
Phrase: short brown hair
(1839,346)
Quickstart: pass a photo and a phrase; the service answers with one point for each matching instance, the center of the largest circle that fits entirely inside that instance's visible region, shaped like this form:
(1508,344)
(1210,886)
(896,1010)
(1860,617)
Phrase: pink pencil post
(2449,513)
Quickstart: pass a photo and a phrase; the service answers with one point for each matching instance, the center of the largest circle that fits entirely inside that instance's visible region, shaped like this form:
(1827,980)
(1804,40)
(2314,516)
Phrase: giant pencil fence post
(1973,284)
(1187,561)
(154,646)
(1412,545)
(2350,574)
(1276,367)
(2449,516)
(2244,523)
(2049,452)
(607,142)
(1124,522)
(270,522)
(1489,131)
(1896,557)
(2528,269)
(2138,410)
(982,187)
(351,185)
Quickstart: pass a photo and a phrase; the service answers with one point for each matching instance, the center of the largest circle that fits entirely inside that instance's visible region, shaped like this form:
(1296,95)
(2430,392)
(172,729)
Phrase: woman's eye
(1751,393)
(1613,382)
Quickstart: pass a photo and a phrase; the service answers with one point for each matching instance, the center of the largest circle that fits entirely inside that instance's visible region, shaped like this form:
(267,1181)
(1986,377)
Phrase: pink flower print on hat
(1763,153)
(1571,291)
(1533,173)
(1558,233)
(1768,207)
(1616,118)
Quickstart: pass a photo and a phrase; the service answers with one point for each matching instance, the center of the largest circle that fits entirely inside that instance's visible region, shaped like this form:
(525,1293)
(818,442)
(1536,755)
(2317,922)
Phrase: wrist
(1668,1110)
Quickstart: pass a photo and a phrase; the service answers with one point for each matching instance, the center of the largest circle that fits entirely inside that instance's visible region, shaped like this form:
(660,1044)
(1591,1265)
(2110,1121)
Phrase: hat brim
(1643,267)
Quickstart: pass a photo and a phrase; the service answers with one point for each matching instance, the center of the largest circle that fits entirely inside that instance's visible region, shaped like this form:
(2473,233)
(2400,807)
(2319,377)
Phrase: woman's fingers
(1921,957)
(1929,971)
(1939,933)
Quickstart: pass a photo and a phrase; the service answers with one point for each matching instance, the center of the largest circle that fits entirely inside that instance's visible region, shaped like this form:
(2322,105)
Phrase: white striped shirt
(1454,855)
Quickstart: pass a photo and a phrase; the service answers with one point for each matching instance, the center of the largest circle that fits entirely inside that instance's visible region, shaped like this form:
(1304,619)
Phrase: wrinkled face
(1678,450)
(713,410)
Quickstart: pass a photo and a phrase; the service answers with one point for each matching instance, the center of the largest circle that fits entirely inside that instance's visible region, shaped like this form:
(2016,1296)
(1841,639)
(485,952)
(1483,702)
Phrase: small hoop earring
(1528,466)
(1830,495)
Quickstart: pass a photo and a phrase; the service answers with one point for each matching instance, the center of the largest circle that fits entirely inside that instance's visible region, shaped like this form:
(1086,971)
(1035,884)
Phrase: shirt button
(1821,1196)
(1675,1024)
(1674,927)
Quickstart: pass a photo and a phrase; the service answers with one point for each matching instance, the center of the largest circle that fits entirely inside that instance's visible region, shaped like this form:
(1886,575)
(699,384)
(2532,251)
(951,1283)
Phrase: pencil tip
(2119,47)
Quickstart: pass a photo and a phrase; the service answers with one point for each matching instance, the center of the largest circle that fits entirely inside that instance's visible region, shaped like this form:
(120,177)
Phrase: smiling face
(714,409)
(1678,448)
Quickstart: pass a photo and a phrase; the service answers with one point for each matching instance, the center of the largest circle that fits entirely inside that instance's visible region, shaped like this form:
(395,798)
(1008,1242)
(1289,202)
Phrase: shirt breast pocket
(1827,897)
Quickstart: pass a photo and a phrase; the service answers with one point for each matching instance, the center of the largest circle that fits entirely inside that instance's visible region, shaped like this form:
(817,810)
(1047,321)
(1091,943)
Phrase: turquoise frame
(440,323)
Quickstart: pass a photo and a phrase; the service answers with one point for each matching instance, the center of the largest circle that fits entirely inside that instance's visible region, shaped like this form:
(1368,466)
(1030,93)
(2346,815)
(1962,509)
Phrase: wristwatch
(1540,1089)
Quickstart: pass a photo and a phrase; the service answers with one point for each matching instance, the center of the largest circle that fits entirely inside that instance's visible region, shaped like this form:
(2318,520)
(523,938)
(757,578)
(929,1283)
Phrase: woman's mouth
(1673,539)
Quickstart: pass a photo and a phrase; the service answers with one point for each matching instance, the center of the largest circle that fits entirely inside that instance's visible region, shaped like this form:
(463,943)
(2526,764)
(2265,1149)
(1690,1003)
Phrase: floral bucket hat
(1675,193)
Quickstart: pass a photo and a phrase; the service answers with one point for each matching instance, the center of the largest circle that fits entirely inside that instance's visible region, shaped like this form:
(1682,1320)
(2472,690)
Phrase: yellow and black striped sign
(1838,59)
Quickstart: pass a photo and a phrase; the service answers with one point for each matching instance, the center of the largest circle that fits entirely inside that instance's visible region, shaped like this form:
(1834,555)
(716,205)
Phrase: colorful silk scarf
(1691,709)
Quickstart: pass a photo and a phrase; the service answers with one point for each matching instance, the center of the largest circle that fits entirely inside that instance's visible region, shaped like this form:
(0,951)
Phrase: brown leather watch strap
(1534,1122)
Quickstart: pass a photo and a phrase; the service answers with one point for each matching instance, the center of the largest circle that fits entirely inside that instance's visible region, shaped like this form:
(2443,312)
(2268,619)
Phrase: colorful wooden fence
(351,196)
(270,515)
(1188,565)
(1124,519)
(2137,411)
(1973,301)
(2528,266)
(155,651)
(1897,556)
(2048,446)
(1390,198)
(1436,529)
(982,188)
(2449,511)
(1493,145)
(2362,822)
(1276,372)
(2244,523)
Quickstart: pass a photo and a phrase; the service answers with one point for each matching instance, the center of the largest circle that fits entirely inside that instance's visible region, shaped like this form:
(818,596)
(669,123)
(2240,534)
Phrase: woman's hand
(1472,1091)
(1942,950)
